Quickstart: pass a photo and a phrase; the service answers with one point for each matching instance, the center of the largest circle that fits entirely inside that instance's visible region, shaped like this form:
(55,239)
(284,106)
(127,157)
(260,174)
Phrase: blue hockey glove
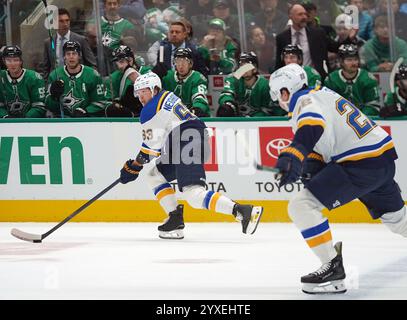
(312,165)
(290,164)
(129,172)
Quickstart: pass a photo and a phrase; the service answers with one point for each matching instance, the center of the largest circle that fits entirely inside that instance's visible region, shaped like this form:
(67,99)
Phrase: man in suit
(63,35)
(314,42)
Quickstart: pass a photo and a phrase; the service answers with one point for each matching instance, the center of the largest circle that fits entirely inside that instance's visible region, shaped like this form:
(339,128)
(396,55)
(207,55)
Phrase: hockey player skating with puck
(178,142)
(345,156)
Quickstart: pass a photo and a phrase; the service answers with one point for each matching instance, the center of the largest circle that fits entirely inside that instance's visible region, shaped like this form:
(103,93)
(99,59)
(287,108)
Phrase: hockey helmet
(149,80)
(122,52)
(72,46)
(402,72)
(348,51)
(292,49)
(249,57)
(185,53)
(11,52)
(292,78)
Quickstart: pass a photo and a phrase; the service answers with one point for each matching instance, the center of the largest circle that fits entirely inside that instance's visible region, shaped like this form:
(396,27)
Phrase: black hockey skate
(248,215)
(173,226)
(327,279)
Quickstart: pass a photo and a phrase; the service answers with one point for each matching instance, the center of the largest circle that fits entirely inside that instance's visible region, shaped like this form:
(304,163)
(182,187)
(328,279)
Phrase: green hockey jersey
(362,91)
(392,100)
(84,90)
(112,31)
(314,78)
(252,102)
(227,62)
(23,97)
(119,84)
(191,90)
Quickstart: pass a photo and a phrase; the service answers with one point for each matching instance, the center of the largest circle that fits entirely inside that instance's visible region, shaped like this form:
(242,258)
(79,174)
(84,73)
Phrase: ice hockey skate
(173,226)
(249,216)
(329,278)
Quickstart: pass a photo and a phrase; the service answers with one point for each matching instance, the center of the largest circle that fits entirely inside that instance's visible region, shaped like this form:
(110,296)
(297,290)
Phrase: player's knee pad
(194,195)
(396,221)
(305,210)
(153,177)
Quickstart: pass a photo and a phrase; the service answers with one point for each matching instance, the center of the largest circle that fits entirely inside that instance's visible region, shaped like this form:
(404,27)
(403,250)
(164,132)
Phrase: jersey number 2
(361,124)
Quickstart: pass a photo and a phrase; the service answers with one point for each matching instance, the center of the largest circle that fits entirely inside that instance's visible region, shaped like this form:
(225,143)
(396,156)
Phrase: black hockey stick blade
(30,237)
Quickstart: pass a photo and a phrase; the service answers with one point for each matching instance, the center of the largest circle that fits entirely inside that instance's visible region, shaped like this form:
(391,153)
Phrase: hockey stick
(258,166)
(393,79)
(53,52)
(37,238)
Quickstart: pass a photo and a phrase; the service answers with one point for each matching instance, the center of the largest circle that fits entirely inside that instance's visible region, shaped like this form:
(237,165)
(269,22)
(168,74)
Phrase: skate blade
(257,213)
(175,234)
(330,287)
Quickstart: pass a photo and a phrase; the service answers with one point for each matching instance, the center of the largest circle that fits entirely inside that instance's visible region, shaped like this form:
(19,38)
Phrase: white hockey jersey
(158,119)
(348,134)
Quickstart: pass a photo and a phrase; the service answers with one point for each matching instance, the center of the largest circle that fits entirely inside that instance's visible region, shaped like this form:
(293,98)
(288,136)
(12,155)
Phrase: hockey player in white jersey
(340,155)
(178,141)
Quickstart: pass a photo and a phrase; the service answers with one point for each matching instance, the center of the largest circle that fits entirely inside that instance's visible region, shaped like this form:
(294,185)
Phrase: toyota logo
(275,146)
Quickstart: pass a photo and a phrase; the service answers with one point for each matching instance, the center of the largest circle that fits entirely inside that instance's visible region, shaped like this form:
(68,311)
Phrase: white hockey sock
(396,221)
(305,211)
(165,194)
(199,198)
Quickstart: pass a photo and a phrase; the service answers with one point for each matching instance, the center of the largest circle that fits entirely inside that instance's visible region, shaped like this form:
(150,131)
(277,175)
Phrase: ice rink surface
(214,261)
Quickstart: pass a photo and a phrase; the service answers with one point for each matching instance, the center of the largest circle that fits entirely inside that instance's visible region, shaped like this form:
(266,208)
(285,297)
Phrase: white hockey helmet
(292,78)
(149,80)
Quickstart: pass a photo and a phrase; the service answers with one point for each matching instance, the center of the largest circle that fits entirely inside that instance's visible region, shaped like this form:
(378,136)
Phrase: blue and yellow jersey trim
(150,151)
(299,94)
(211,199)
(153,106)
(163,190)
(310,119)
(365,152)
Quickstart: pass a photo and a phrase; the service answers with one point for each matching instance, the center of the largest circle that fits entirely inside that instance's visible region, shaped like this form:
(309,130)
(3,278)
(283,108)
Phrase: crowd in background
(154,30)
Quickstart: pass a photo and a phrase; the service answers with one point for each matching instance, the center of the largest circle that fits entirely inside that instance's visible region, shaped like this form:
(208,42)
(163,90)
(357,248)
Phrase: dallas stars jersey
(84,90)
(392,100)
(314,78)
(192,90)
(253,102)
(159,118)
(348,135)
(112,31)
(23,97)
(120,84)
(362,91)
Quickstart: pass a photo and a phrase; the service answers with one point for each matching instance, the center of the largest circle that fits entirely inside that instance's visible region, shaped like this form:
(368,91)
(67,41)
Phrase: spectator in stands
(400,18)
(190,85)
(132,9)
(200,13)
(395,104)
(63,35)
(343,28)
(247,94)
(177,38)
(76,89)
(270,18)
(314,19)
(376,51)
(218,50)
(263,48)
(292,53)
(365,20)
(353,83)
(314,42)
(22,91)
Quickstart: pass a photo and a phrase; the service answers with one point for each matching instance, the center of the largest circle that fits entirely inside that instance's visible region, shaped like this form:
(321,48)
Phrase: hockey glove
(79,113)
(312,165)
(129,172)
(57,89)
(290,163)
(199,112)
(228,109)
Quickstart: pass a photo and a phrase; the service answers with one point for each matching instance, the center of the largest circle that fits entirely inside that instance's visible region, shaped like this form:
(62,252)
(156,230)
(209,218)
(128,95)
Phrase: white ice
(214,261)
